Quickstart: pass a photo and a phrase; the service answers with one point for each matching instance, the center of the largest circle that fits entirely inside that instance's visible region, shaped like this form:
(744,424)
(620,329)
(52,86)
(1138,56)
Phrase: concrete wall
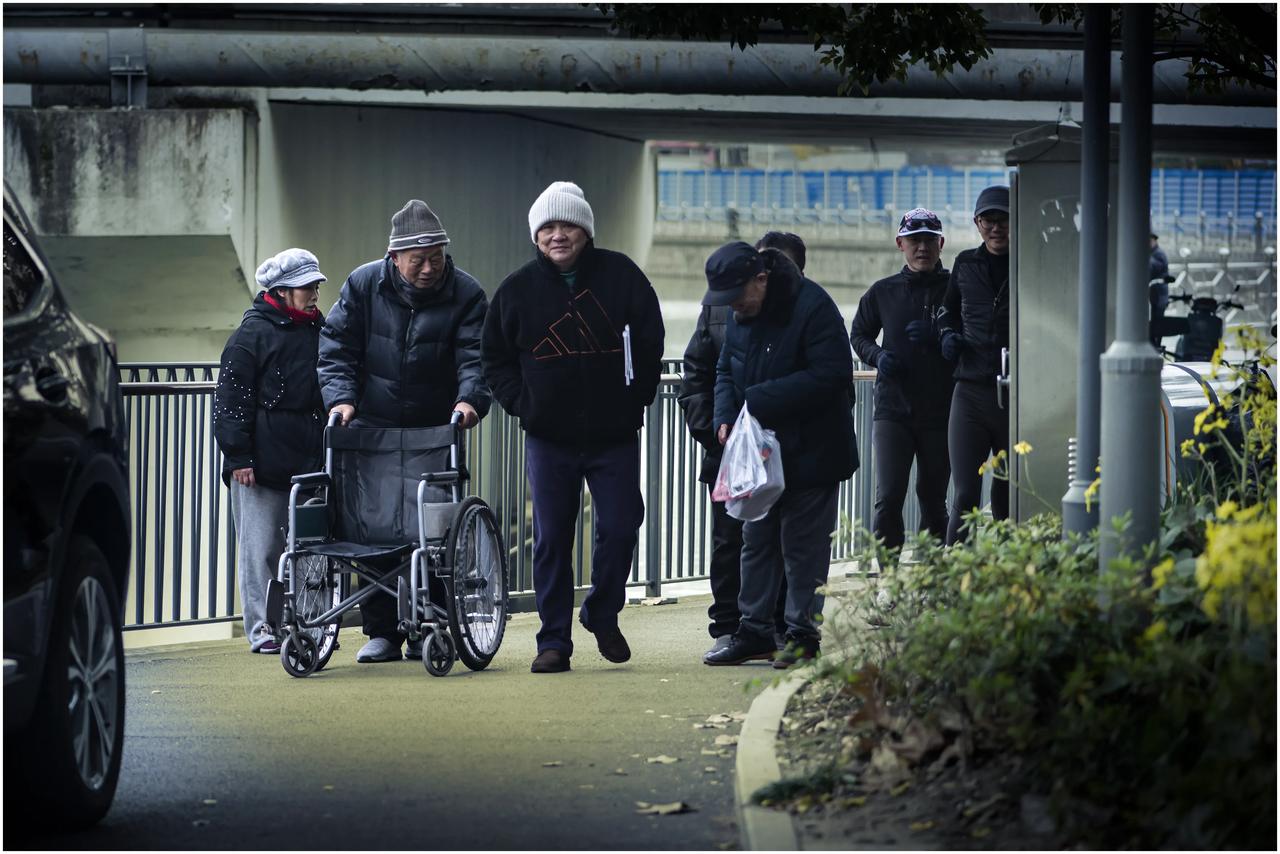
(147,218)
(333,175)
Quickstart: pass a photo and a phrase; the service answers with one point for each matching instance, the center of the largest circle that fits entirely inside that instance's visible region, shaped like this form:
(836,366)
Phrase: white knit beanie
(561,202)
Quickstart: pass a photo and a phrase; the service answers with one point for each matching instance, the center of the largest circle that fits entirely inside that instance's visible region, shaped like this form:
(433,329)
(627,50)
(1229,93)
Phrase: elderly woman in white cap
(268,419)
(572,346)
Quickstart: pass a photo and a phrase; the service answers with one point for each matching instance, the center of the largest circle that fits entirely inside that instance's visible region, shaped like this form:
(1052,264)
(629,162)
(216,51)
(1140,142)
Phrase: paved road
(223,750)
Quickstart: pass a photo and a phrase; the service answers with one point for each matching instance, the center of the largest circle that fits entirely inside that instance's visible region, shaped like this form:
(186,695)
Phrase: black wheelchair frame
(458,546)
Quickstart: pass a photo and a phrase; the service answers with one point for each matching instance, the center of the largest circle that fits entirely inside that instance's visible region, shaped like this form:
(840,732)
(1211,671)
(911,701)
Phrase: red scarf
(297,316)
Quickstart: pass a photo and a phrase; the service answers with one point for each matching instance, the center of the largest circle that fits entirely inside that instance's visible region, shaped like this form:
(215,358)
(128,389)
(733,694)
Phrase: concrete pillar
(1130,367)
(1077,514)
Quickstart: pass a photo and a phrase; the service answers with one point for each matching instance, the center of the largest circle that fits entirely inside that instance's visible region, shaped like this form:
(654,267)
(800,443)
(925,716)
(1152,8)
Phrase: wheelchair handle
(334,419)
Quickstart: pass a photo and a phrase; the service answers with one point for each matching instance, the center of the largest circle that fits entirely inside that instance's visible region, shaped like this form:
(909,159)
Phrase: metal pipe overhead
(1078,514)
(175,57)
(1130,367)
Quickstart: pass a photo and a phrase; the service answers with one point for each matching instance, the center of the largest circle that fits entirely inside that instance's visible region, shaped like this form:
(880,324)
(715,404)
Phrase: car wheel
(79,721)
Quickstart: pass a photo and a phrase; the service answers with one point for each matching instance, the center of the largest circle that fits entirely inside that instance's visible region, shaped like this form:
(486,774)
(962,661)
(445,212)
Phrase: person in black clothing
(697,400)
(573,348)
(1157,287)
(267,420)
(787,358)
(973,328)
(401,348)
(913,382)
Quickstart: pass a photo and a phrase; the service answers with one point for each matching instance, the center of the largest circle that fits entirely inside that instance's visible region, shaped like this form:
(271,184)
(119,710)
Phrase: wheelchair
(388,508)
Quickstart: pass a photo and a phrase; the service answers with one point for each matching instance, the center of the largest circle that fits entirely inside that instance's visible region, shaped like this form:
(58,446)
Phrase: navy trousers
(556,472)
(978,428)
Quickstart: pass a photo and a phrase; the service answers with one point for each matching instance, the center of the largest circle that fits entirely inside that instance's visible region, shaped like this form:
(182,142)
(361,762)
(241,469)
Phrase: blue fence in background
(1200,202)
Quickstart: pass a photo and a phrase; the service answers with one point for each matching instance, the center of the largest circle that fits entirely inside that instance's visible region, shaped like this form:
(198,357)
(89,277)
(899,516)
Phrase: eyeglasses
(988,221)
(919,223)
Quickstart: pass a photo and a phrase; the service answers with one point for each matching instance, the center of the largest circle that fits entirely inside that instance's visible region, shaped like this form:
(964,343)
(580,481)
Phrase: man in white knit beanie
(572,346)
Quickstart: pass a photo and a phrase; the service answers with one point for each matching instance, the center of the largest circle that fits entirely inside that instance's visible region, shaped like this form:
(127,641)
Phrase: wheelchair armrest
(315,478)
(434,477)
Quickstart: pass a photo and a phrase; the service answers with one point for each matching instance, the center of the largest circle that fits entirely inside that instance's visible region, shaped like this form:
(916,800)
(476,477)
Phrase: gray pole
(1078,515)
(1130,367)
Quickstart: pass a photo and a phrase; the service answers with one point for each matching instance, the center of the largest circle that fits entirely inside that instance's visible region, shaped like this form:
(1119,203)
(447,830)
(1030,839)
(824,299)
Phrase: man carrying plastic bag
(787,360)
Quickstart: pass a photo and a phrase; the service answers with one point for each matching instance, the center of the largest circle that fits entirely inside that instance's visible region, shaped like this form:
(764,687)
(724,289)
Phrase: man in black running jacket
(913,382)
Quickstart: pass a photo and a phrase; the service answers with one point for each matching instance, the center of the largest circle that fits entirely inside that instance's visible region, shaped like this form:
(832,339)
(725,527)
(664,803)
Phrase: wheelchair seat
(358,551)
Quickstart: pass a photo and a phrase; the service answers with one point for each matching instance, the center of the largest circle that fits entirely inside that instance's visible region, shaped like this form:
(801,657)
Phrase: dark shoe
(613,646)
(550,661)
(719,643)
(740,649)
(779,640)
(797,650)
(269,647)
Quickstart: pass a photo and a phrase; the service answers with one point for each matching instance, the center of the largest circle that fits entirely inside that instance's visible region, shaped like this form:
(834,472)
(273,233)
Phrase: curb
(763,829)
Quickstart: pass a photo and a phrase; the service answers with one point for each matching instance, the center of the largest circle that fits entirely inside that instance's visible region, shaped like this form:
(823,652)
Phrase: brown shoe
(613,646)
(550,661)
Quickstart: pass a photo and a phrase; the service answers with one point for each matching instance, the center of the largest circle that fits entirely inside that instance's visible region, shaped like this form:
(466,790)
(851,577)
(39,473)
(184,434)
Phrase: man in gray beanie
(573,348)
(401,348)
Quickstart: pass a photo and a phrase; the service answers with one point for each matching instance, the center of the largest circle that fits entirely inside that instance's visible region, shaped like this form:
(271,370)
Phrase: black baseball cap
(728,270)
(994,198)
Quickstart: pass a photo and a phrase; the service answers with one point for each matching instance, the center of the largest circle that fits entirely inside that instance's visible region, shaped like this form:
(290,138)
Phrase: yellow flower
(1188,447)
(1155,630)
(1237,571)
(1206,423)
(1023,448)
(1160,573)
(1226,510)
(1090,492)
(982,469)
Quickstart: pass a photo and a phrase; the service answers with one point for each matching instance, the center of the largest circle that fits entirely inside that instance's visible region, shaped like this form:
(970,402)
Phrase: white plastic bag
(750,479)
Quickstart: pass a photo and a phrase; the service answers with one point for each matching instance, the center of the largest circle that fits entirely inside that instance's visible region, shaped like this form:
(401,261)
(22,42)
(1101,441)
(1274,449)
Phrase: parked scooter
(1200,331)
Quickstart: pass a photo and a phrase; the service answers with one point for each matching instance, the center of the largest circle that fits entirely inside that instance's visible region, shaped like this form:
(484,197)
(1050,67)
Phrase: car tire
(77,734)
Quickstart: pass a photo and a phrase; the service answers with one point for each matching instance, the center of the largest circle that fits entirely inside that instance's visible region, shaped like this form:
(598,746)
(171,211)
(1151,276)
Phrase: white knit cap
(561,202)
(292,268)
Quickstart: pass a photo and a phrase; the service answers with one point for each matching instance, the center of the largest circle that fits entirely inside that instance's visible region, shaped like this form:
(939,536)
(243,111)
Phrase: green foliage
(865,42)
(1223,44)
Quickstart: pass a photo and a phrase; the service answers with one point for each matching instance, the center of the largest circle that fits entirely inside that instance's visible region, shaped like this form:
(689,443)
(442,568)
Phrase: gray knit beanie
(292,268)
(561,202)
(415,226)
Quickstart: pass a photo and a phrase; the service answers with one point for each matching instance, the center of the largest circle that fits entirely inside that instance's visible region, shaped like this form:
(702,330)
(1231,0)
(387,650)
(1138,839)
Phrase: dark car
(66,547)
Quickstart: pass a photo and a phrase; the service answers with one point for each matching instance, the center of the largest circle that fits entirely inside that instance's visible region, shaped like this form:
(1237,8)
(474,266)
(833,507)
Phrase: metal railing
(184,555)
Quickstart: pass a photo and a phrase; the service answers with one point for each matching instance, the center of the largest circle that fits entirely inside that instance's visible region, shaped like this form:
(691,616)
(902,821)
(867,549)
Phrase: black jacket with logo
(698,385)
(553,352)
(978,309)
(267,411)
(791,364)
(922,392)
(404,359)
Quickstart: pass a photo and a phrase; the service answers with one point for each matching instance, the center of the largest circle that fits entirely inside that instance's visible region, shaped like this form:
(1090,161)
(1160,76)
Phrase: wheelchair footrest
(275,602)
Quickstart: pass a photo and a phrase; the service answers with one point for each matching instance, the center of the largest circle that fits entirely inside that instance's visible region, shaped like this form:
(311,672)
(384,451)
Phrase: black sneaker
(798,649)
(740,649)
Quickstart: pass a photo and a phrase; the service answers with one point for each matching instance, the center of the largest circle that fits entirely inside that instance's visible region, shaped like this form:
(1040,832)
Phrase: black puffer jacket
(978,309)
(921,393)
(792,366)
(698,385)
(267,411)
(553,353)
(404,356)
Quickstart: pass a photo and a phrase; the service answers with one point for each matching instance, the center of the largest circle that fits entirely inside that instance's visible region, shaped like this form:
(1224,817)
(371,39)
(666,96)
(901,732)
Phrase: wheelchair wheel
(438,653)
(299,654)
(478,584)
(317,592)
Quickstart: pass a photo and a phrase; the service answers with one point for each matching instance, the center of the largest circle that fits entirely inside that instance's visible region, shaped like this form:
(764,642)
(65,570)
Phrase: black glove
(918,331)
(887,365)
(952,344)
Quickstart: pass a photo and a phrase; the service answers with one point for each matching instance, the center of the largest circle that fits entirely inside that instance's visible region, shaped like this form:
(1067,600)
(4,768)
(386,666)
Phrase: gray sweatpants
(796,536)
(260,514)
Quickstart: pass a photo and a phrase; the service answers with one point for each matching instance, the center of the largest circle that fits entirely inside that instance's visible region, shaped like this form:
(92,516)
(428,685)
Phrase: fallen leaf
(726,739)
(664,759)
(918,826)
(556,764)
(648,711)
(644,805)
(618,772)
(328,788)
(859,800)
(709,752)
(209,802)
(738,716)
(711,769)
(664,680)
(665,809)
(587,786)
(709,726)
(155,692)
(980,832)
(900,788)
(664,716)
(720,719)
